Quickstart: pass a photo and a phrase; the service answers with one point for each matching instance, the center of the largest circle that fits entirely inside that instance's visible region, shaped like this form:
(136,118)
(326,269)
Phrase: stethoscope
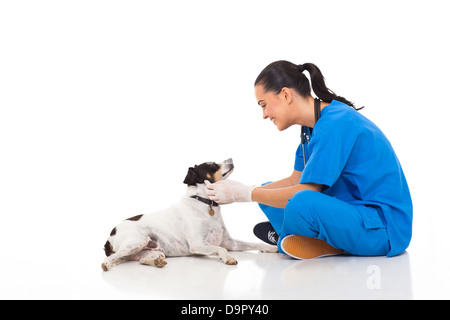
(306,131)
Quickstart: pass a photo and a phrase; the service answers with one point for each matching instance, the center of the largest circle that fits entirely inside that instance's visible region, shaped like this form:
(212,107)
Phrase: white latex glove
(228,191)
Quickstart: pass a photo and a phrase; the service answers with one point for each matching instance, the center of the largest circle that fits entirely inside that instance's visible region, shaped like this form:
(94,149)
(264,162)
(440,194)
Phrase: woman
(347,191)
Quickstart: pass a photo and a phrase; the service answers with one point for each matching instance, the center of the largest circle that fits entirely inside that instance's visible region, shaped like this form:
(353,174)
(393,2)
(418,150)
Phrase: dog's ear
(191,177)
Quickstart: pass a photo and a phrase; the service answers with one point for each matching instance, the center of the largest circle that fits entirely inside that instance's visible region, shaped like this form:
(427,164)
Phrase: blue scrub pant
(342,225)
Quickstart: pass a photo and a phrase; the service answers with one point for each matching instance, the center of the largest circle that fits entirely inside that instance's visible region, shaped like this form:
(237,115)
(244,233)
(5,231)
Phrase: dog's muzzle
(227,167)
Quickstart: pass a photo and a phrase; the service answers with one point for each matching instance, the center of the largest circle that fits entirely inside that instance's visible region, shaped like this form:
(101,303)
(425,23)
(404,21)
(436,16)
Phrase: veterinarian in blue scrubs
(347,193)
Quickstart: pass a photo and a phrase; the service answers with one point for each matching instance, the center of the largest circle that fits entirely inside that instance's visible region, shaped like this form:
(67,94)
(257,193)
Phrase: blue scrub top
(356,163)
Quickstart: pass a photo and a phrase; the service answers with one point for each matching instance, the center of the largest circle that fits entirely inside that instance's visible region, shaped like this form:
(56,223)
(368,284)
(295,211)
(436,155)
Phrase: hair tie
(300,68)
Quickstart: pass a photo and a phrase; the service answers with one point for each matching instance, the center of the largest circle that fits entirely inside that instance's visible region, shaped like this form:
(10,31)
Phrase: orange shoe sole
(300,247)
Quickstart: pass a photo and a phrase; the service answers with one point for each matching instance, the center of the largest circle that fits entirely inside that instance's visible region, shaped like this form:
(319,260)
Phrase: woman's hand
(228,191)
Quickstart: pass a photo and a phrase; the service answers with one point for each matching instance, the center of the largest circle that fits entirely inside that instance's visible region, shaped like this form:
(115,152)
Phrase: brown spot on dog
(135,218)
(113,232)
(218,174)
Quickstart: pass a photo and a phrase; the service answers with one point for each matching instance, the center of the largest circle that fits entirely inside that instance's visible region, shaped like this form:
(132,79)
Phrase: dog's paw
(231,261)
(160,262)
(106,266)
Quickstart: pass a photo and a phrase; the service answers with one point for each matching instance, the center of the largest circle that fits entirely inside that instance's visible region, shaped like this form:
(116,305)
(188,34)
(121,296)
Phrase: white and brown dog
(193,226)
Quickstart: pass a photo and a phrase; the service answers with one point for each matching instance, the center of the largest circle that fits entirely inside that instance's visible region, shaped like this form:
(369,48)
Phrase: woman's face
(275,107)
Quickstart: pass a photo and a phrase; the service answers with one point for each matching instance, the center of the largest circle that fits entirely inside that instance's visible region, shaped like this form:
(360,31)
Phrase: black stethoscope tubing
(305,132)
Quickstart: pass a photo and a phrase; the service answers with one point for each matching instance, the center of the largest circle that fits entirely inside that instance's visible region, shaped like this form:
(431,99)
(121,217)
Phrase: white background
(105,104)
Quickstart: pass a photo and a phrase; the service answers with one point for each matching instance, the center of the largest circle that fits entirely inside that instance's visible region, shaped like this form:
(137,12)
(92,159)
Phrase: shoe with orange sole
(300,247)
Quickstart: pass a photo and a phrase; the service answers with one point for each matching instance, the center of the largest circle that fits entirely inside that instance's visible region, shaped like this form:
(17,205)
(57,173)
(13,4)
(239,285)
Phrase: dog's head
(210,171)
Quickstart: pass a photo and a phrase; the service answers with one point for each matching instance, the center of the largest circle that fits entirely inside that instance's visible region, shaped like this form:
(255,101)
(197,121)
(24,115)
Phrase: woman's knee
(300,212)
(302,202)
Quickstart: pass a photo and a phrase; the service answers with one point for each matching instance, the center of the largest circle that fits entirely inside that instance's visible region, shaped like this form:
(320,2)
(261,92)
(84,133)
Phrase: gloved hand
(228,191)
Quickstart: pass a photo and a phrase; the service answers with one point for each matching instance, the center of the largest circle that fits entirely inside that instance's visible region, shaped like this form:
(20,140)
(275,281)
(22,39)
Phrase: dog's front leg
(238,245)
(208,249)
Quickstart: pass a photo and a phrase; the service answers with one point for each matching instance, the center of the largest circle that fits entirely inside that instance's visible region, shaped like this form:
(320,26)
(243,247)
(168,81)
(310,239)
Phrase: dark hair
(281,74)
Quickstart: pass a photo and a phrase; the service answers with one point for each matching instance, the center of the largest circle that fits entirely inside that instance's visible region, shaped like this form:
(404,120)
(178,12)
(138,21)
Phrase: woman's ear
(286,94)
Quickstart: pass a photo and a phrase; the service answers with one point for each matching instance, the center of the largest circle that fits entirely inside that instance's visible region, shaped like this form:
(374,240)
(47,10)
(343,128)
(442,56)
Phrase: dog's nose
(228,161)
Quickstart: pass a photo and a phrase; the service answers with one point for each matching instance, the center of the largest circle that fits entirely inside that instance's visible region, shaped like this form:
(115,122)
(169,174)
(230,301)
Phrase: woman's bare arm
(279,197)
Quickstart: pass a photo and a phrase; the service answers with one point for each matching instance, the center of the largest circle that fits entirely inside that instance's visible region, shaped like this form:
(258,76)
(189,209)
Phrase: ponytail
(280,74)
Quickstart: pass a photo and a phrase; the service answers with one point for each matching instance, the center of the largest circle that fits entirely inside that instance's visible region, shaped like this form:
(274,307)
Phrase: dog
(193,226)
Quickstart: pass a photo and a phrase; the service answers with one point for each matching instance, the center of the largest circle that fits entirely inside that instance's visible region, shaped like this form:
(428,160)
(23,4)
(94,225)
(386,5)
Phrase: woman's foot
(300,247)
(266,233)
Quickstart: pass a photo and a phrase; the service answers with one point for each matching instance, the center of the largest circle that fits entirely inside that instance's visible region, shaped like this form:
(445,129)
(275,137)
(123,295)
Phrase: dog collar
(208,202)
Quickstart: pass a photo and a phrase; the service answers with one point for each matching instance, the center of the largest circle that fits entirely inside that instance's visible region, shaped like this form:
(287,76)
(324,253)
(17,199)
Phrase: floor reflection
(268,276)
(341,277)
